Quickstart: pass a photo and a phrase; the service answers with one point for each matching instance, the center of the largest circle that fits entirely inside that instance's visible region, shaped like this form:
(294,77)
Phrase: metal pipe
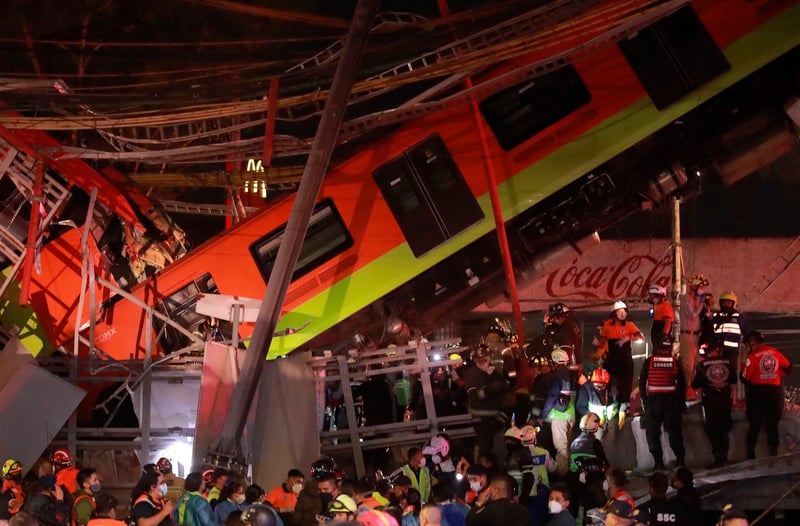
(33,226)
(677,274)
(296,227)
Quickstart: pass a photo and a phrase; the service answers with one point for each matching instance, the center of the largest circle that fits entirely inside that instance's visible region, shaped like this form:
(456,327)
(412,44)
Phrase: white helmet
(619,304)
(559,356)
(657,289)
(528,435)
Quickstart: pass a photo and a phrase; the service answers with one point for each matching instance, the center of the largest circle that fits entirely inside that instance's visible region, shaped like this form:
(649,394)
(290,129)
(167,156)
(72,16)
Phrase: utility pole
(677,273)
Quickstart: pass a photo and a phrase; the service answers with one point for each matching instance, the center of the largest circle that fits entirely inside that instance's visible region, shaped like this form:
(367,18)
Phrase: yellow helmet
(729,296)
(11,467)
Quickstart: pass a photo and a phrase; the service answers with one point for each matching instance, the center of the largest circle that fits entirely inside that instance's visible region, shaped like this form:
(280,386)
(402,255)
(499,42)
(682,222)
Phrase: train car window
(326,237)
(427,195)
(674,56)
(518,113)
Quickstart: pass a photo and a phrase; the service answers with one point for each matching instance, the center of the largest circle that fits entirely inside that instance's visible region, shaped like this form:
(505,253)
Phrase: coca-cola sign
(631,277)
(615,270)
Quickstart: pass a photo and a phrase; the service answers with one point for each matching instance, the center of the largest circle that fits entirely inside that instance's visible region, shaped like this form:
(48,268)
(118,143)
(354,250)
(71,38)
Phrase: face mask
(327,498)
(605,485)
(422,462)
(95,487)
(239,499)
(297,488)
(437,458)
(163,488)
(555,507)
(475,486)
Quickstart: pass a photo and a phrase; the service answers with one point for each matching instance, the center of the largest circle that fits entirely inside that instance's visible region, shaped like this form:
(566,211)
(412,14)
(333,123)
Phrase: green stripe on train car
(31,333)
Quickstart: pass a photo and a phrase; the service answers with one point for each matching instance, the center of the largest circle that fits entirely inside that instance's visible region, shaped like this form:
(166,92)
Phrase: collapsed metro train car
(403,238)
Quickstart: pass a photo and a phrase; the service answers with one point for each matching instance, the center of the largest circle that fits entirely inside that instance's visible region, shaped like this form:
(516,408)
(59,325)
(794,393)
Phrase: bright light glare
(180,454)
(437,356)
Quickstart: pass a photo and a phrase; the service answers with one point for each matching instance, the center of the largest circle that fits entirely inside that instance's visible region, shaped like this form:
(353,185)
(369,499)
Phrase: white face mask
(297,488)
(555,507)
(475,486)
(163,488)
(239,499)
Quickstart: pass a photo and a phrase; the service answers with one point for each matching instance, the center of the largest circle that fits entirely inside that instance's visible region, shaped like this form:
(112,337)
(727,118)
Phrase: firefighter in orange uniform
(617,334)
(762,373)
(663,390)
(662,313)
(66,473)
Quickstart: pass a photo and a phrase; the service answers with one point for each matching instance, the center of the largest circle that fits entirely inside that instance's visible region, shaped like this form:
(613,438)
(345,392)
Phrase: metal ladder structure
(20,168)
(778,267)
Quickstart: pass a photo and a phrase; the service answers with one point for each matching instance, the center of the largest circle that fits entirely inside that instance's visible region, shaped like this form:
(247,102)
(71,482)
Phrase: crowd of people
(541,413)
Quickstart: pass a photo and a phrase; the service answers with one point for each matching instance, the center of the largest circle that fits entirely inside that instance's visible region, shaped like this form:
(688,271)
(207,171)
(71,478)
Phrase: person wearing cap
(663,391)
(615,513)
(12,497)
(694,312)
(713,376)
(418,473)
(284,497)
(343,508)
(559,408)
(500,509)
(762,373)
(659,511)
(616,336)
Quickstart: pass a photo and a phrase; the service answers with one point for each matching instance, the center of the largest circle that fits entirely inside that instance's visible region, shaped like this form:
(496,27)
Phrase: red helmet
(208,476)
(61,458)
(164,465)
(590,423)
(600,376)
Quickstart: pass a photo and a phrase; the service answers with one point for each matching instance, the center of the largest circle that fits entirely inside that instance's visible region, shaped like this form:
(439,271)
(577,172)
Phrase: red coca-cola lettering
(630,277)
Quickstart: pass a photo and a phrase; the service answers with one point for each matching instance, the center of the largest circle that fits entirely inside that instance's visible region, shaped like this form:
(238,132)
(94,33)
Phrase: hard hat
(259,515)
(559,356)
(343,504)
(322,467)
(376,518)
(528,435)
(600,376)
(438,446)
(619,304)
(590,423)
(61,457)
(558,309)
(164,465)
(729,296)
(698,280)
(208,476)
(11,467)
(513,432)
(657,289)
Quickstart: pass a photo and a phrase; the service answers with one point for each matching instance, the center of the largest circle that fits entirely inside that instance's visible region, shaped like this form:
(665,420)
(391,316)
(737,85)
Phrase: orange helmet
(600,376)
(590,423)
(61,457)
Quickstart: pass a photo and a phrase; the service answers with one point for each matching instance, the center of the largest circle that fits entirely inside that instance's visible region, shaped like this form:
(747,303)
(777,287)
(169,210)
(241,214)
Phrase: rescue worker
(12,497)
(593,398)
(662,313)
(694,313)
(762,373)
(220,478)
(617,333)
(284,497)
(559,408)
(519,463)
(83,506)
(105,511)
(66,473)
(543,465)
(343,508)
(659,511)
(563,333)
(588,463)
(148,505)
(175,485)
(728,326)
(663,391)
(485,389)
(192,509)
(419,474)
(714,376)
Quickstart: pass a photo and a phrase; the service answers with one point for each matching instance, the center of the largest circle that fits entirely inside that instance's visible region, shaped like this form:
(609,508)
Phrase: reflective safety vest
(727,329)
(542,464)
(662,375)
(421,483)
